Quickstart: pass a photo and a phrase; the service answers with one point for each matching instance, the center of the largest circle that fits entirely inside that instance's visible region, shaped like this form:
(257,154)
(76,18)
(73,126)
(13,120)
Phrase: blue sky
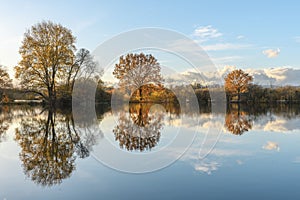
(233,32)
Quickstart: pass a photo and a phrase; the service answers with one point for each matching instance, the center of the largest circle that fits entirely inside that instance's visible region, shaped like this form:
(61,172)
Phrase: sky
(246,34)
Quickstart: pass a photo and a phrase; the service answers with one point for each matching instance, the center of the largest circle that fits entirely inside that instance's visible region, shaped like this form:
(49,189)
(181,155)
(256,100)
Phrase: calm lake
(254,153)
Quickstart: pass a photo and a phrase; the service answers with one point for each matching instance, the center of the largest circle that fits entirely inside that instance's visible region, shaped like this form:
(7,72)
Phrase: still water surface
(46,155)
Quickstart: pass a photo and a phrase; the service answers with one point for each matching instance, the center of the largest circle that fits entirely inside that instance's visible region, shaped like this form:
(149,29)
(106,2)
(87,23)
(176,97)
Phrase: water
(48,155)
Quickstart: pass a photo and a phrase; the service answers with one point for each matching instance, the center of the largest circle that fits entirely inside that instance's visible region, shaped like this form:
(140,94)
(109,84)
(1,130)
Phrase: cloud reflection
(271,146)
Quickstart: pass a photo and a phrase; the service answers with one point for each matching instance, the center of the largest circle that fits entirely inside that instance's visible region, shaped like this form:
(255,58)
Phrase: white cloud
(207,167)
(210,124)
(271,53)
(229,152)
(226,69)
(284,75)
(204,33)
(225,59)
(278,73)
(239,162)
(271,146)
(207,33)
(277,76)
(225,46)
(281,125)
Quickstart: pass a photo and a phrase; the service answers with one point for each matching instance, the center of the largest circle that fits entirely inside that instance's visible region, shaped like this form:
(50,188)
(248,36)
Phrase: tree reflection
(49,144)
(140,129)
(5,121)
(238,121)
(87,130)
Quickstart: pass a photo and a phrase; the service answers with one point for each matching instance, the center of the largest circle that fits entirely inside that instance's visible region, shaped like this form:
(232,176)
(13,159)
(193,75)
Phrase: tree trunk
(140,116)
(52,98)
(239,99)
(228,98)
(140,94)
(239,96)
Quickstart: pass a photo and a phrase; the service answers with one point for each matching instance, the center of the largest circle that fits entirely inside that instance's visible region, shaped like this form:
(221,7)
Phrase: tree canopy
(136,71)
(47,52)
(50,64)
(237,82)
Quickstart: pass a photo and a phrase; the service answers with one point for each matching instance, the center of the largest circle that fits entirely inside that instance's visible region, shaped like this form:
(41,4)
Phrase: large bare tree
(84,67)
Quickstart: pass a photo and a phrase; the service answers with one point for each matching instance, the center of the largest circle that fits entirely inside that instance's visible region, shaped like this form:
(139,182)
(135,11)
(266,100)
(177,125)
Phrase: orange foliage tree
(237,82)
(136,71)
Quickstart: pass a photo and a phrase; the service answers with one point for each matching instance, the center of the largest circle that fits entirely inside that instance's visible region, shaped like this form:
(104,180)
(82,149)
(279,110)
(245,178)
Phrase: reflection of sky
(277,124)
(247,166)
(266,138)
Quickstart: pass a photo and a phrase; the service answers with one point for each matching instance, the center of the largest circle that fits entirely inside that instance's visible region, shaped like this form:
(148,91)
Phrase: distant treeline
(255,94)
(12,95)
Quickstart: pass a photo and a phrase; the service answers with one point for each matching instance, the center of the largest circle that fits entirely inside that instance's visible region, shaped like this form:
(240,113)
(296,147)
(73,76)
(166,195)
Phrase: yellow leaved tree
(47,52)
(49,62)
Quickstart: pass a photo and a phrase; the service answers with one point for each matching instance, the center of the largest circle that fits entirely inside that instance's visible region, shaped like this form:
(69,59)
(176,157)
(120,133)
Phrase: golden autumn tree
(47,53)
(237,82)
(137,71)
